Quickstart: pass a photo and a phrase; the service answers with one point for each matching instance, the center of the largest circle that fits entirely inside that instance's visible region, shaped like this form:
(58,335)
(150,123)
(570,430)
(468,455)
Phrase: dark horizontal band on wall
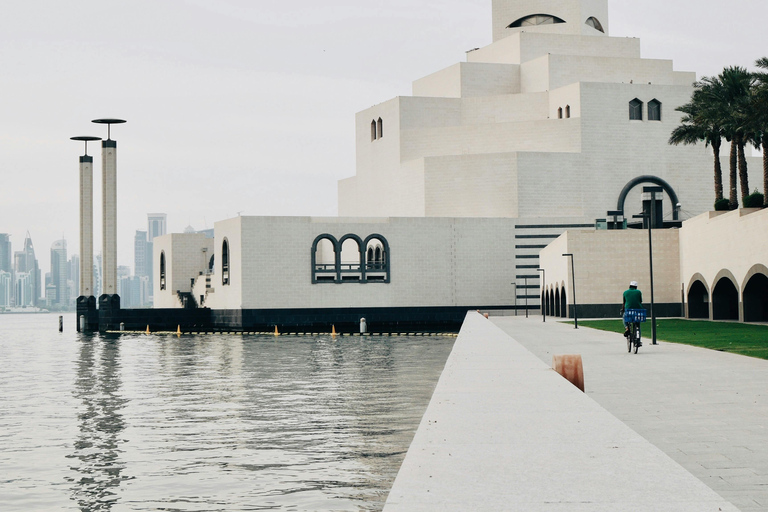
(527,256)
(528,286)
(536,236)
(320,320)
(554,226)
(529,276)
(530,246)
(526,266)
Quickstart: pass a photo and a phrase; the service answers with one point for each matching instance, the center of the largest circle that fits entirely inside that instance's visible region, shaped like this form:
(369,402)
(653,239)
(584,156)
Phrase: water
(209,422)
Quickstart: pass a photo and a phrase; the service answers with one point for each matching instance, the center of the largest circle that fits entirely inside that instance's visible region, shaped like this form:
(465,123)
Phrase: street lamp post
(542,298)
(650,264)
(525,285)
(573,291)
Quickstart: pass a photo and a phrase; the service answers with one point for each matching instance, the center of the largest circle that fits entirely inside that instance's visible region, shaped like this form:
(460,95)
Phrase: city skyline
(268,128)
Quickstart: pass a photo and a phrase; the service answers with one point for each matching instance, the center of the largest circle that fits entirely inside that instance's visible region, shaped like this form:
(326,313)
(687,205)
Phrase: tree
(737,84)
(701,123)
(759,114)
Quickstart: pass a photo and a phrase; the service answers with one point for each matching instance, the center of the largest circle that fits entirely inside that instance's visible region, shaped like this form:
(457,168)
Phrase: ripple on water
(208,422)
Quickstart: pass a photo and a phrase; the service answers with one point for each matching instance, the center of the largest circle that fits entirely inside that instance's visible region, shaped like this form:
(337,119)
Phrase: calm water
(218,422)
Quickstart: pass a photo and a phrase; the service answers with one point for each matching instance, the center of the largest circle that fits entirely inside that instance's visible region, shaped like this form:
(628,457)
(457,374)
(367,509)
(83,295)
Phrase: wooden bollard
(570,367)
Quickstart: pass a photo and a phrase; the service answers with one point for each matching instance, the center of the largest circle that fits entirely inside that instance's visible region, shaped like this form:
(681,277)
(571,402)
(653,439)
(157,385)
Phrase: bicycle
(633,318)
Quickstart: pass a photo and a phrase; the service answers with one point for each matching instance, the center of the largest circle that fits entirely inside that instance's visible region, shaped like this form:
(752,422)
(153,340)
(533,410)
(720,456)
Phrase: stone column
(86,226)
(109,216)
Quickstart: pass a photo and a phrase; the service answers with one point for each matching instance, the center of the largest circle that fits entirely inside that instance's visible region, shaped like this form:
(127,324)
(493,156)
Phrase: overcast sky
(248,105)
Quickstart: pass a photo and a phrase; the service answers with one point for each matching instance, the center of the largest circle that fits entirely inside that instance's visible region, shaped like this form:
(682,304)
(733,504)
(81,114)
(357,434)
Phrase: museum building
(460,186)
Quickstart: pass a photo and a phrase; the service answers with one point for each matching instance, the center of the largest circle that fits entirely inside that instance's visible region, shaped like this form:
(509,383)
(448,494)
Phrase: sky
(247,106)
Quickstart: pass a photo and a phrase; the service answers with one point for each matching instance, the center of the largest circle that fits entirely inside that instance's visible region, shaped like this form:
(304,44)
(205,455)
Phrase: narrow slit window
(380,128)
(162,270)
(225,262)
(636,110)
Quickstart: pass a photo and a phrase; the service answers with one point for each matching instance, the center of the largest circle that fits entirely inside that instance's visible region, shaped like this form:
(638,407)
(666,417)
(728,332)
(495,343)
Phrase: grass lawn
(744,339)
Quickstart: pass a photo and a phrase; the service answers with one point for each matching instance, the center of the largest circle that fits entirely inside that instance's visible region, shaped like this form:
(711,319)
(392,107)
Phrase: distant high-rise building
(6,256)
(74,275)
(156,226)
(59,271)
(140,260)
(24,289)
(6,288)
(25,261)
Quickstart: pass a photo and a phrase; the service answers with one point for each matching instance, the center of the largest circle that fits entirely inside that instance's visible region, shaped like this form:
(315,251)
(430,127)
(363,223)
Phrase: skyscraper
(59,271)
(156,226)
(25,262)
(6,256)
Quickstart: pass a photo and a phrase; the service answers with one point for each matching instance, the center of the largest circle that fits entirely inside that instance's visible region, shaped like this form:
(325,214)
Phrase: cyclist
(632,299)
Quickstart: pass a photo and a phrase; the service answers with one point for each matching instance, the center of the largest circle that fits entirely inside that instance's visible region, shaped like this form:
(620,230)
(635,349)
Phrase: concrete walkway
(503,431)
(707,410)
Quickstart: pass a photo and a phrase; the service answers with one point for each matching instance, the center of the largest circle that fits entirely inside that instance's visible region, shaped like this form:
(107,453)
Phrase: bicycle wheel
(637,337)
(629,338)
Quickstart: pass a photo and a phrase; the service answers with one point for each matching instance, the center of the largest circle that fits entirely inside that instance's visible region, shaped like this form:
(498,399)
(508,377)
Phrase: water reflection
(97,449)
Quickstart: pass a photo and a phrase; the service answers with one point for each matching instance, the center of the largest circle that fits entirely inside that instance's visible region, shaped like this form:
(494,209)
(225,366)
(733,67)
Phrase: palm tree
(760,118)
(700,125)
(737,84)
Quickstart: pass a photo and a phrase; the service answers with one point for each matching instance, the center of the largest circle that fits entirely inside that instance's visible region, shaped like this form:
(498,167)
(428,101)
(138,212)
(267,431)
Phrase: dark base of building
(303,320)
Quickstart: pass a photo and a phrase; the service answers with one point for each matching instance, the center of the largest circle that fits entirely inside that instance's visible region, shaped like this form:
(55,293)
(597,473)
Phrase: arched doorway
(557,302)
(756,299)
(725,300)
(698,301)
(563,304)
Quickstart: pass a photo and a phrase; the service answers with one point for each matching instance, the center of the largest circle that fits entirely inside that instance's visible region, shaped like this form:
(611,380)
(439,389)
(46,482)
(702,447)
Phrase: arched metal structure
(649,179)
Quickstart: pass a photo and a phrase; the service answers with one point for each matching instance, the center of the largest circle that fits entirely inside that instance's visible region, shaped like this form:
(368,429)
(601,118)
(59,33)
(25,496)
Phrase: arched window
(377,268)
(557,302)
(162,270)
(324,269)
(595,24)
(654,110)
(225,262)
(567,111)
(560,113)
(350,258)
(380,128)
(210,263)
(536,19)
(373,130)
(636,110)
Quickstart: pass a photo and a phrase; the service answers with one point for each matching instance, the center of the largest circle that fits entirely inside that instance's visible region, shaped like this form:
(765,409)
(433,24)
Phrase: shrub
(754,200)
(722,205)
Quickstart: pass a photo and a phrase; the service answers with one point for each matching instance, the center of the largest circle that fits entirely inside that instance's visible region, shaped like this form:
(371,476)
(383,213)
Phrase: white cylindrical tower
(86,219)
(109,209)
(109,216)
(86,226)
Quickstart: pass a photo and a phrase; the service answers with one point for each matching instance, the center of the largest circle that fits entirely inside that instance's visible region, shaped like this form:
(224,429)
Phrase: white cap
(633,283)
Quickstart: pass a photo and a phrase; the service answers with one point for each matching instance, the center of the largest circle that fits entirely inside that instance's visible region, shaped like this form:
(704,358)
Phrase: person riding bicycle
(632,299)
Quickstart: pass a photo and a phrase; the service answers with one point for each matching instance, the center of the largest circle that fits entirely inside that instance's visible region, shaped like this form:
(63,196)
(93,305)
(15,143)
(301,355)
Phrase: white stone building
(546,129)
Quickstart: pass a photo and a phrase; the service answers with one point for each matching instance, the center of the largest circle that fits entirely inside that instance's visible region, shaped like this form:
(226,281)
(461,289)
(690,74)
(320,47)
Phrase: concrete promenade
(707,410)
(503,431)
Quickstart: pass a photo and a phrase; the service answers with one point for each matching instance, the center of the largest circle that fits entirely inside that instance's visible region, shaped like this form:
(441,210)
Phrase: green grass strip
(745,339)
